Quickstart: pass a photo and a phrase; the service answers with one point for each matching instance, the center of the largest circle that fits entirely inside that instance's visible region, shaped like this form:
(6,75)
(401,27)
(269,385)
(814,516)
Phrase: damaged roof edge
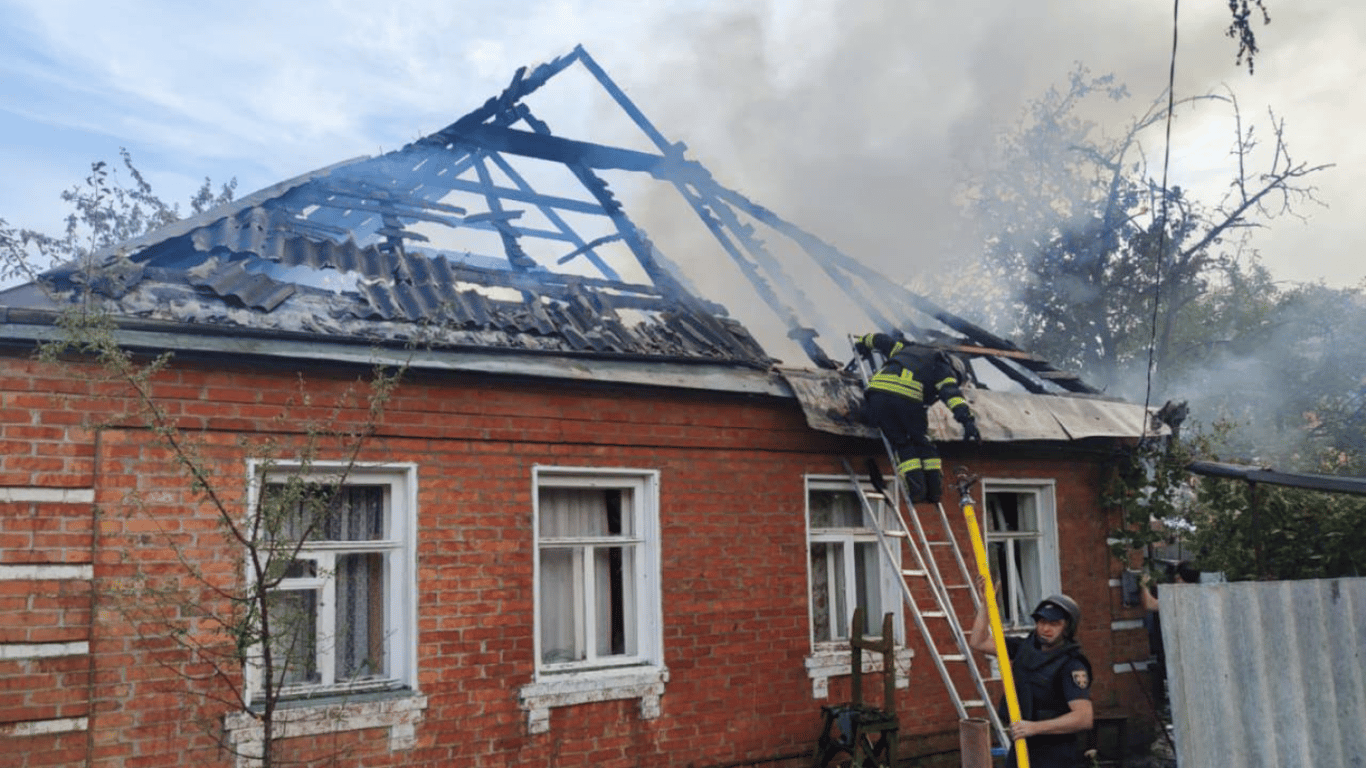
(191,223)
(832,403)
(680,374)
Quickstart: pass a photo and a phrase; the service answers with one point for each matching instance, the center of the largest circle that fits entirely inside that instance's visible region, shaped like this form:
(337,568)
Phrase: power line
(1162,217)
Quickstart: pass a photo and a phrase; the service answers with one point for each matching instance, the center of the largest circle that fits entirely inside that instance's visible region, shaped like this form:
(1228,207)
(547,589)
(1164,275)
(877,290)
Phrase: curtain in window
(559,631)
(293,636)
(360,616)
(355,514)
(835,509)
(586,513)
(358,514)
(829,606)
(869,588)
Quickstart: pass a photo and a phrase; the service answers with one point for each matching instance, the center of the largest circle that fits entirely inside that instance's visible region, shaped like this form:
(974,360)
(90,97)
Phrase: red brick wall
(733,557)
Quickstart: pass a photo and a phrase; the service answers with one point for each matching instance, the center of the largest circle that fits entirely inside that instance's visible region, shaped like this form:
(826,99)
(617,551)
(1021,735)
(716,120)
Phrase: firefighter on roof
(898,398)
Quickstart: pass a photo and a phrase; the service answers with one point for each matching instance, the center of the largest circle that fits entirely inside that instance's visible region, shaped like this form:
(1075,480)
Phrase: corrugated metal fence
(1269,674)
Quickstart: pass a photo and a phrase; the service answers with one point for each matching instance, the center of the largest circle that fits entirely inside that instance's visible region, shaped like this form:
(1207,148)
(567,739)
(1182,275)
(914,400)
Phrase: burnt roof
(495,232)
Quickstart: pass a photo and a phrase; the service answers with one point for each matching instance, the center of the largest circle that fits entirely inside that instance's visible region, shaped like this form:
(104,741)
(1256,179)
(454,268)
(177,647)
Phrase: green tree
(1264,531)
(1108,262)
(1242,530)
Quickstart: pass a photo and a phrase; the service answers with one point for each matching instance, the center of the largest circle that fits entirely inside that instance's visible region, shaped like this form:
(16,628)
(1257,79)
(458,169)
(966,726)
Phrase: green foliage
(1275,532)
(1150,487)
(1244,531)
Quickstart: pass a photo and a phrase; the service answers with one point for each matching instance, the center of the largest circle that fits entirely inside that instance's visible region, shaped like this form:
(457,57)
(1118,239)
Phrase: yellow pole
(997,633)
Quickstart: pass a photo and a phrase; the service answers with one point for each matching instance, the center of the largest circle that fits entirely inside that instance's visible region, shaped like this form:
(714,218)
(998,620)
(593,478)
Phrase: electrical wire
(1162,217)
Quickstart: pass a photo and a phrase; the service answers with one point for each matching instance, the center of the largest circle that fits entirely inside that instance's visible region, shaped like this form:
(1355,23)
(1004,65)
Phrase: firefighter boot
(913,474)
(934,480)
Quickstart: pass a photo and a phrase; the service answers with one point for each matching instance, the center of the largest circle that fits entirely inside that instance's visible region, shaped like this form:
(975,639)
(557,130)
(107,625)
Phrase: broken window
(1021,535)
(342,614)
(597,582)
(847,563)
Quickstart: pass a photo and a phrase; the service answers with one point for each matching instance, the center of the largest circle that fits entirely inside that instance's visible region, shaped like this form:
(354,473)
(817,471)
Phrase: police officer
(1052,681)
(898,398)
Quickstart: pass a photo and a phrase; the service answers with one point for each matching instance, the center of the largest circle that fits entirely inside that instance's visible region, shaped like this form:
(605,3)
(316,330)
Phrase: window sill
(400,712)
(568,689)
(825,664)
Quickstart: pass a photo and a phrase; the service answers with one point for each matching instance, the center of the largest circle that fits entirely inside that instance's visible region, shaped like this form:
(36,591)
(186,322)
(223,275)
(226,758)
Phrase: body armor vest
(1036,678)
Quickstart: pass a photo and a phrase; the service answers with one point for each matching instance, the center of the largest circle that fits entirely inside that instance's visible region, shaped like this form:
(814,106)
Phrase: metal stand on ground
(866,735)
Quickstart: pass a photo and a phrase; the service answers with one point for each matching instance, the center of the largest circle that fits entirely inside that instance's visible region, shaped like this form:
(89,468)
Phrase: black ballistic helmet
(1049,607)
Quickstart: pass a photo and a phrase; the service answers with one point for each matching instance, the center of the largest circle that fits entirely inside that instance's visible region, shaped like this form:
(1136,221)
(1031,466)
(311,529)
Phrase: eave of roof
(27,328)
(832,402)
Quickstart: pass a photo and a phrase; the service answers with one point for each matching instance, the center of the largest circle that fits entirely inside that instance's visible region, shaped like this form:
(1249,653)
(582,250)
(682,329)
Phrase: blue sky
(843,115)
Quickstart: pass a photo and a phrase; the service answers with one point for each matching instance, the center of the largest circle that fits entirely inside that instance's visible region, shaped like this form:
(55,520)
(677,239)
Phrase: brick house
(599,524)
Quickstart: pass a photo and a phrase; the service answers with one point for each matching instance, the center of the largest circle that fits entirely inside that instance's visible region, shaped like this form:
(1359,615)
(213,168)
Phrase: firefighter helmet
(1068,606)
(960,369)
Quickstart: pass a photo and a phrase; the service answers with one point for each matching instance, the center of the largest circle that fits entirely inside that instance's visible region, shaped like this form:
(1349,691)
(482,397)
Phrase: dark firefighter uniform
(898,399)
(1045,682)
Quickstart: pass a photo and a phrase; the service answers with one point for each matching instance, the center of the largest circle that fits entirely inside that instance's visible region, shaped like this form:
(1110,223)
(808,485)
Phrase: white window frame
(400,592)
(640,675)
(833,657)
(1014,617)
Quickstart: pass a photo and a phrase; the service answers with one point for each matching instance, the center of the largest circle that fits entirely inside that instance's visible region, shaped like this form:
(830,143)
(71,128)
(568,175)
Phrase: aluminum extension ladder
(938,623)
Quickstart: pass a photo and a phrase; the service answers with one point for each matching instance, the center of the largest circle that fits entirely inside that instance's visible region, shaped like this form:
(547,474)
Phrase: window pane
(1013,512)
(301,569)
(286,510)
(1002,576)
(583,512)
(293,632)
(835,509)
(869,587)
(357,514)
(354,513)
(1014,551)
(615,606)
(360,616)
(560,631)
(829,607)
(1031,570)
(1016,571)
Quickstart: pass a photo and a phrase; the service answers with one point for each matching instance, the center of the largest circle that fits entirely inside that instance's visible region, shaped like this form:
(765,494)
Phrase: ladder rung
(878,495)
(954,657)
(895,534)
(974,703)
(933,614)
(912,572)
(940,543)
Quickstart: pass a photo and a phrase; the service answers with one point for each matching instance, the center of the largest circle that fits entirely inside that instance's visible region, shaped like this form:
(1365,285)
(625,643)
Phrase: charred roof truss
(496,223)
